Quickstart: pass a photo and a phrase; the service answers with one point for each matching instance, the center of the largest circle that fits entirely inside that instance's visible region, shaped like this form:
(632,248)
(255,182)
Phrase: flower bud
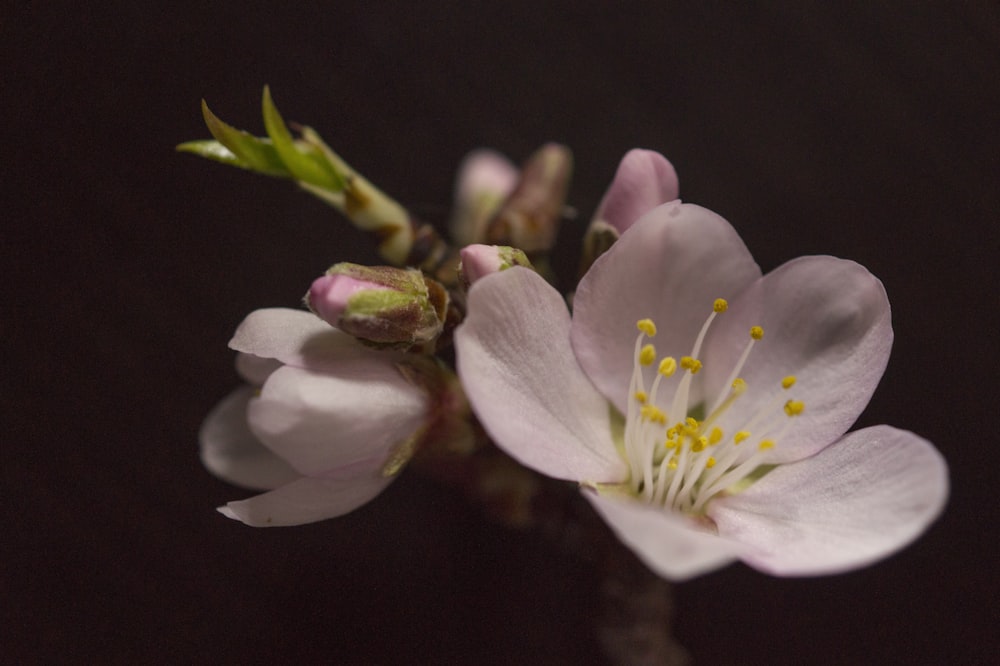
(379,304)
(485,179)
(482,260)
(644,180)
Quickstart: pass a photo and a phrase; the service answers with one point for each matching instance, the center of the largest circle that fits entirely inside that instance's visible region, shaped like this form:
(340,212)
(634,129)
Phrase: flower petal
(255,369)
(485,178)
(644,180)
(826,321)
(308,500)
(670,544)
(854,503)
(294,337)
(231,452)
(670,267)
(524,384)
(318,421)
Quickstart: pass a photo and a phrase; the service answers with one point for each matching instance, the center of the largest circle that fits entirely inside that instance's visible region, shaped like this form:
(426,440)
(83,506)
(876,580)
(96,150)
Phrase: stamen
(788,382)
(647,327)
(647,355)
(794,407)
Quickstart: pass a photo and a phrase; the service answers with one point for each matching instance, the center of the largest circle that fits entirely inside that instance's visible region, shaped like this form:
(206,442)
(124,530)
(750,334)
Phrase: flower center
(678,455)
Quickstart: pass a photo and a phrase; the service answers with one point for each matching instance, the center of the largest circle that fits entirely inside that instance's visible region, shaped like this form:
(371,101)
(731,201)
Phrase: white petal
(854,503)
(669,267)
(308,500)
(231,452)
(670,544)
(485,178)
(826,321)
(320,421)
(524,384)
(294,337)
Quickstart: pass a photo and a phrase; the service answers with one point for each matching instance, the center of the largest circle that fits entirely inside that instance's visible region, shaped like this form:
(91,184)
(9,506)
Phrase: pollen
(699,444)
(715,436)
(739,386)
(668,366)
(646,326)
(647,355)
(720,305)
(756,332)
(741,436)
(794,407)
(690,364)
(766,444)
(641,396)
(710,463)
(788,382)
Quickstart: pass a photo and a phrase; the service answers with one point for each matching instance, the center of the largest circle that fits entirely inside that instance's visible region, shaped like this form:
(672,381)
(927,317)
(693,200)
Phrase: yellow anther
(756,333)
(710,463)
(641,397)
(646,326)
(673,463)
(671,443)
(672,432)
(715,436)
(692,365)
(720,305)
(647,355)
(699,444)
(647,412)
(739,386)
(668,366)
(794,407)
(788,382)
(692,423)
(766,444)
(740,436)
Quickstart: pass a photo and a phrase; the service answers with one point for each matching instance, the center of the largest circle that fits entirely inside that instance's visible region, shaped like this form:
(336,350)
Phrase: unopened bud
(482,260)
(485,179)
(529,219)
(644,180)
(379,304)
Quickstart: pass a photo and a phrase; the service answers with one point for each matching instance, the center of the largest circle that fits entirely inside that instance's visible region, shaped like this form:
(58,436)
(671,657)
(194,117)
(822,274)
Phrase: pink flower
(329,428)
(726,439)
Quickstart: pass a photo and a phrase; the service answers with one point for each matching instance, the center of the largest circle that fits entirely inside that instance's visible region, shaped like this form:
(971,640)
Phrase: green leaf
(304,164)
(250,152)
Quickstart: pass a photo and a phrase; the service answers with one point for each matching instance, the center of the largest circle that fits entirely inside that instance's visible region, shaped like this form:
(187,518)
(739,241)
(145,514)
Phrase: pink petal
(644,180)
(307,500)
(826,321)
(669,267)
(294,337)
(670,544)
(231,452)
(318,421)
(854,503)
(518,370)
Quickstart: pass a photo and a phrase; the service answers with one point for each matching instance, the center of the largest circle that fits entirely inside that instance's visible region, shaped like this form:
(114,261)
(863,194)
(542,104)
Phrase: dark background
(867,132)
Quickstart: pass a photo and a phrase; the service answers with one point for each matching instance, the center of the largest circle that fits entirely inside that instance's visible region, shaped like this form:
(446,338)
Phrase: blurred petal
(826,321)
(669,267)
(855,502)
(231,452)
(319,421)
(644,180)
(255,369)
(307,500)
(518,370)
(294,337)
(669,543)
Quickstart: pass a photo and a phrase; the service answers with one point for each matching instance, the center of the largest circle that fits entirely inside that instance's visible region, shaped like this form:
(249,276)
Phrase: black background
(867,132)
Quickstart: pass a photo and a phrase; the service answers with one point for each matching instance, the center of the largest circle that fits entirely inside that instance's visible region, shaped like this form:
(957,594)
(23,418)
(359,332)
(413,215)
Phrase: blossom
(331,425)
(701,406)
(644,180)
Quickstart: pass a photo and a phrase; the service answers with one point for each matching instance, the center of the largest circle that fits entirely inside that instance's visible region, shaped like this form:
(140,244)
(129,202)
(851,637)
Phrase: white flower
(726,440)
(332,424)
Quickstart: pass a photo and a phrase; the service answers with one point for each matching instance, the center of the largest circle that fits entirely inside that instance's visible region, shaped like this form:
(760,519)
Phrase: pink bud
(644,180)
(481,260)
(329,294)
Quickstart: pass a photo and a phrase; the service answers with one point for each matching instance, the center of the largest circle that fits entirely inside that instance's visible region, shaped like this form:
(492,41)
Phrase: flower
(644,180)
(726,439)
(333,422)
